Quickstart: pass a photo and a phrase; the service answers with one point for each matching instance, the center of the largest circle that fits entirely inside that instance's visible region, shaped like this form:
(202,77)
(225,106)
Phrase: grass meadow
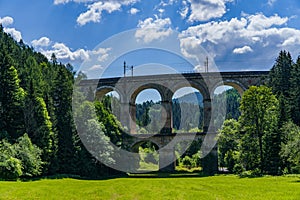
(156,187)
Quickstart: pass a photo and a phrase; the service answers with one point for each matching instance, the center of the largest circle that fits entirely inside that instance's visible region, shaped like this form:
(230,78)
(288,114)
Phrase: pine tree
(64,124)
(295,92)
(279,80)
(11,99)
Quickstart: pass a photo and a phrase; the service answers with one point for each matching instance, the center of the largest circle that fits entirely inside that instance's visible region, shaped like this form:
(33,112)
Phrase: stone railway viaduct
(128,89)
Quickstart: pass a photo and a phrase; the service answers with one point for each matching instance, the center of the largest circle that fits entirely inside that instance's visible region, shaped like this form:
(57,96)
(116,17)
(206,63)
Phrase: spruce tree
(11,99)
(295,92)
(279,80)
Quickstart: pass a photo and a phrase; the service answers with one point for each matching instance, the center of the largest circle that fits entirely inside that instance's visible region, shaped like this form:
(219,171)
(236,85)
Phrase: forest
(38,136)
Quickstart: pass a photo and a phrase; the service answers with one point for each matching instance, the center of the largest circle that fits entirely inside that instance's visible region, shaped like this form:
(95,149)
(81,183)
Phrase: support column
(125,116)
(210,162)
(166,160)
(132,118)
(207,109)
(167,117)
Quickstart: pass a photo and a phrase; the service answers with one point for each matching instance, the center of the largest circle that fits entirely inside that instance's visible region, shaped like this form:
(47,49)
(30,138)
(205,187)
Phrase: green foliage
(20,159)
(29,155)
(279,80)
(39,128)
(10,167)
(228,140)
(259,120)
(290,147)
(227,106)
(111,124)
(11,100)
(294,92)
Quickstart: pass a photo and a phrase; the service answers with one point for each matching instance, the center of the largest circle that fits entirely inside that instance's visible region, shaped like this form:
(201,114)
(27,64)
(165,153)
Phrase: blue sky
(235,34)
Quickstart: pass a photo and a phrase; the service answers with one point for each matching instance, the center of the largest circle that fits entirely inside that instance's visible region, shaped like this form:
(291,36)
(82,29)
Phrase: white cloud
(261,22)
(95,67)
(6,21)
(56,2)
(263,34)
(63,52)
(95,11)
(96,7)
(42,42)
(150,29)
(134,11)
(203,10)
(102,53)
(14,33)
(184,12)
(242,50)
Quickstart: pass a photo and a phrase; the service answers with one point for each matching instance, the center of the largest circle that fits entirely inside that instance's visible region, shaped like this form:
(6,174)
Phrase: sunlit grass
(215,187)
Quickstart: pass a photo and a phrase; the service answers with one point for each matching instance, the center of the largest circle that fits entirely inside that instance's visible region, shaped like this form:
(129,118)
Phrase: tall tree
(259,119)
(64,124)
(295,92)
(11,99)
(279,80)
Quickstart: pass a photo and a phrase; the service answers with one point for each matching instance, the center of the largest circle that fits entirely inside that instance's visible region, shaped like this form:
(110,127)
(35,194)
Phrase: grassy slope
(216,187)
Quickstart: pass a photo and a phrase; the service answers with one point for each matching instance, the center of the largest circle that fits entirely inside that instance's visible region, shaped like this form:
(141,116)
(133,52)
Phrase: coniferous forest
(38,136)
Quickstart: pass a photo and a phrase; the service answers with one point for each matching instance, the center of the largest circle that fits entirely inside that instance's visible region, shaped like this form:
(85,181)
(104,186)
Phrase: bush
(20,159)
(10,169)
(29,155)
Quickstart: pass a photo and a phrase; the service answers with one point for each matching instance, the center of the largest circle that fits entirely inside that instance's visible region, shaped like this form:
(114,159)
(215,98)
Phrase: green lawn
(215,187)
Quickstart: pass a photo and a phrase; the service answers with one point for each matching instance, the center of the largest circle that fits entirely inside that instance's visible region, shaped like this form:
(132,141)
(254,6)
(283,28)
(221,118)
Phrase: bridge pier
(167,156)
(207,114)
(167,116)
(210,162)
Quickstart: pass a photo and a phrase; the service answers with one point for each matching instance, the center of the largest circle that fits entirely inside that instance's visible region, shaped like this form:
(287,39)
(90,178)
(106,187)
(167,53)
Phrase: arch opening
(110,99)
(187,110)
(148,155)
(149,112)
(226,103)
(188,155)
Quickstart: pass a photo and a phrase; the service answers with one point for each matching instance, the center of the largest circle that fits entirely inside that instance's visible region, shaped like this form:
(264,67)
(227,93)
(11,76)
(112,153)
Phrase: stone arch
(134,147)
(233,83)
(103,90)
(194,84)
(138,90)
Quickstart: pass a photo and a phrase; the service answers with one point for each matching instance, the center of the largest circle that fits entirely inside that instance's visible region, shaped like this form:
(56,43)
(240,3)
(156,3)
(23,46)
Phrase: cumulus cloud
(95,11)
(134,11)
(96,7)
(261,33)
(261,22)
(95,67)
(5,21)
(153,29)
(63,52)
(42,42)
(102,53)
(14,33)
(203,10)
(242,50)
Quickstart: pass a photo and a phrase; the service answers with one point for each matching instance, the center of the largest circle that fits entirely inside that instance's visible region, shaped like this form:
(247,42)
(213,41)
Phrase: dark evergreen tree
(64,124)
(279,80)
(11,99)
(295,92)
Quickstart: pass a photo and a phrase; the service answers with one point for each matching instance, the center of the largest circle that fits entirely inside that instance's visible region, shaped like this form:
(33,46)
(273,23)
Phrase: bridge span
(128,89)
